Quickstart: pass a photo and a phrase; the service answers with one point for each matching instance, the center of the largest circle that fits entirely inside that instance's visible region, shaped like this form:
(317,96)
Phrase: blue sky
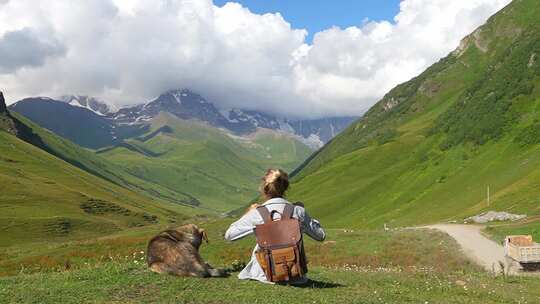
(317,15)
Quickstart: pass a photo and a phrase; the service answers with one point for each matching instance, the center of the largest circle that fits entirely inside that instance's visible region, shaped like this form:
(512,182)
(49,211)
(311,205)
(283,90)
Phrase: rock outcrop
(11,124)
(491,216)
(3,107)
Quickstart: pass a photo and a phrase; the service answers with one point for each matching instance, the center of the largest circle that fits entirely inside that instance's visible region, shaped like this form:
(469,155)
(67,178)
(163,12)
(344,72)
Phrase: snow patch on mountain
(93,104)
(178,96)
(75,103)
(313,141)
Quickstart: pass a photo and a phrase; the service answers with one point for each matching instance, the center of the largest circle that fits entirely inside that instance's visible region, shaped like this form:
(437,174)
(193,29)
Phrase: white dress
(245,225)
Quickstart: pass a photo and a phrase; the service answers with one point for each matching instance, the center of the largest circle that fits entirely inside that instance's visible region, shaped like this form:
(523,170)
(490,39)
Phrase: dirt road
(476,246)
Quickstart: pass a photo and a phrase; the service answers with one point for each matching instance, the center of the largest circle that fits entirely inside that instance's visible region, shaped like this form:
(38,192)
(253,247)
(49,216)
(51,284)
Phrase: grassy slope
(352,267)
(41,197)
(426,159)
(498,231)
(277,149)
(219,171)
(99,166)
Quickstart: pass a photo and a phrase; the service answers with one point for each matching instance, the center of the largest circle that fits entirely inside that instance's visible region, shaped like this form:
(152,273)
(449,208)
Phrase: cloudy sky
(128,51)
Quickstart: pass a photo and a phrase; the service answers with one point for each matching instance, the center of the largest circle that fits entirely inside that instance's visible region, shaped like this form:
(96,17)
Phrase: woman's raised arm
(244,226)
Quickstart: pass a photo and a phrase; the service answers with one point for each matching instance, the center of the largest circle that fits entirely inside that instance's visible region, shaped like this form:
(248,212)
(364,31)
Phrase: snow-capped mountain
(183,104)
(91,103)
(93,123)
(317,132)
(186,104)
(252,119)
(312,132)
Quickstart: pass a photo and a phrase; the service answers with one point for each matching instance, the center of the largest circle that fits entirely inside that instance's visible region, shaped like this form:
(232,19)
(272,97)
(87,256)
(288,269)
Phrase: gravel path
(475,245)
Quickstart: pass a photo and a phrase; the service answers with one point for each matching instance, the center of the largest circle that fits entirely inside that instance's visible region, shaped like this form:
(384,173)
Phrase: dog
(176,251)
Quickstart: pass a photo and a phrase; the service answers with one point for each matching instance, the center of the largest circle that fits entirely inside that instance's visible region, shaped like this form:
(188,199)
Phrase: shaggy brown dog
(176,251)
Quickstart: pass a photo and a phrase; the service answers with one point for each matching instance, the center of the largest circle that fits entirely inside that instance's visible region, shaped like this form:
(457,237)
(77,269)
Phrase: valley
(85,182)
(217,170)
(180,143)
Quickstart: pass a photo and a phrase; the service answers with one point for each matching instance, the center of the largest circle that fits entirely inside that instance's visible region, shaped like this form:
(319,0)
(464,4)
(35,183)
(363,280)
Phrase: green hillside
(90,162)
(45,198)
(430,148)
(215,169)
(53,190)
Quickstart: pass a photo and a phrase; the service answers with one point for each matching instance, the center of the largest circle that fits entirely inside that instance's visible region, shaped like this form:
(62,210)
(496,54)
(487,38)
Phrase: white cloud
(22,48)
(126,51)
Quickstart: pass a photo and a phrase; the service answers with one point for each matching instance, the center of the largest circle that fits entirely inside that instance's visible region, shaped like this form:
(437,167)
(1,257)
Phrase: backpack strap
(287,211)
(267,218)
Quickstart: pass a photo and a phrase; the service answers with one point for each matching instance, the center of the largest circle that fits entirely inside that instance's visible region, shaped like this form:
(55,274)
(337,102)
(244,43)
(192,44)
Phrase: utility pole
(488,202)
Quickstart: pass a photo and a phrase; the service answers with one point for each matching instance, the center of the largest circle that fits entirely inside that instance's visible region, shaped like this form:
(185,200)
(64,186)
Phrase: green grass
(361,266)
(429,149)
(125,283)
(217,171)
(499,231)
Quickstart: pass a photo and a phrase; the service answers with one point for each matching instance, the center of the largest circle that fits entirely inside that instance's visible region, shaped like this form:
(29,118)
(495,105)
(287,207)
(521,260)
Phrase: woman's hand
(299,204)
(253,206)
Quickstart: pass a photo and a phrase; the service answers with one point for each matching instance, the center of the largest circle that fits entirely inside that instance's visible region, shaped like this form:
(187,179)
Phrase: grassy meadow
(351,266)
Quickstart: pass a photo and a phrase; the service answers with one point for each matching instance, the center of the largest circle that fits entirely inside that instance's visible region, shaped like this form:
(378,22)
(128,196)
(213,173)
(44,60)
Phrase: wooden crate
(522,249)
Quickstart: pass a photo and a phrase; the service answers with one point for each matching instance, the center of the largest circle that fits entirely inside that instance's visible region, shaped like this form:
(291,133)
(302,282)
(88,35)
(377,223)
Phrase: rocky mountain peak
(186,104)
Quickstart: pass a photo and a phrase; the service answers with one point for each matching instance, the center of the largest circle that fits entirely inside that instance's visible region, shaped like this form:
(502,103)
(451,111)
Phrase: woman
(273,187)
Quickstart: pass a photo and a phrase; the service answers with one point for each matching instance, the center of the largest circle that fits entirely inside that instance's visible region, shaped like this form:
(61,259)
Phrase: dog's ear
(204,236)
(174,235)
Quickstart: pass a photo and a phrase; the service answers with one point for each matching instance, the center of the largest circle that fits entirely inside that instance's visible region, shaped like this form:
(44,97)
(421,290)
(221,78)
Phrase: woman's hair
(274,183)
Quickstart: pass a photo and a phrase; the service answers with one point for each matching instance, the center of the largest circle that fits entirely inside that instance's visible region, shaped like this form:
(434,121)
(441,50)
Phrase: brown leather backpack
(281,249)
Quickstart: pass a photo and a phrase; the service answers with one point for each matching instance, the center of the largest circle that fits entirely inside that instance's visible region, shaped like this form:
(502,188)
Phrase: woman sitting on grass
(274,184)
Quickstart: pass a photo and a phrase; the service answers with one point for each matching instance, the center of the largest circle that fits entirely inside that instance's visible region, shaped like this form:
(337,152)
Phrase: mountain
(317,132)
(91,103)
(428,150)
(47,198)
(312,132)
(76,123)
(93,124)
(183,104)
(186,104)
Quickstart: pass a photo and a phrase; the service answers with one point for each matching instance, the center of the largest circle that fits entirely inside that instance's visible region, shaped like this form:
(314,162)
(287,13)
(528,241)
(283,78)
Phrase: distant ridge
(94,124)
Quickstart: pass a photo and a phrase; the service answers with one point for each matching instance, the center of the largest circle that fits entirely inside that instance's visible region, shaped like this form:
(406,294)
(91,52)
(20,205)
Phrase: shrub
(529,136)
(484,111)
